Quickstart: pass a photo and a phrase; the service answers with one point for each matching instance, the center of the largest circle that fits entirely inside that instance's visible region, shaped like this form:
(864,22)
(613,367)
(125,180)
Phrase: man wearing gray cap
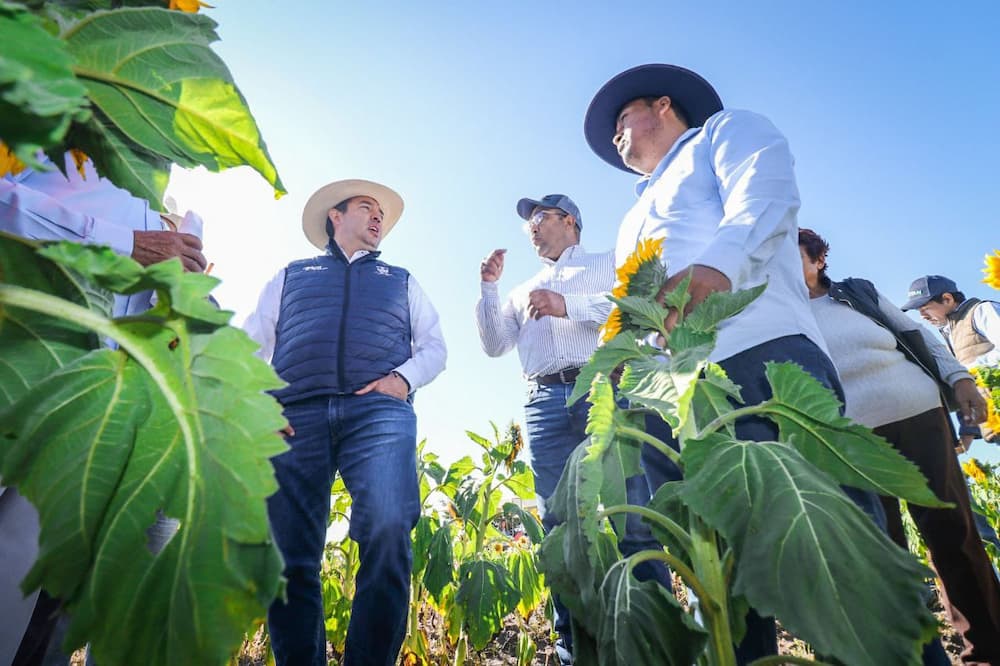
(553,319)
(354,337)
(970,326)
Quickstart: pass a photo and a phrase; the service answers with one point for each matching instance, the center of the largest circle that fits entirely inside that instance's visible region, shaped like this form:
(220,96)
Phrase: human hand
(545,302)
(151,247)
(288,431)
(705,280)
(392,384)
(492,267)
(971,403)
(963,443)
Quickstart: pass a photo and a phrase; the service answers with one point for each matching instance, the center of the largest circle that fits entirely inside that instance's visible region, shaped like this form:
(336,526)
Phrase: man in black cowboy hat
(719,187)
(354,337)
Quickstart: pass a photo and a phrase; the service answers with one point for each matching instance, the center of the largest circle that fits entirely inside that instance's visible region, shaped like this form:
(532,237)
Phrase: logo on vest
(314,268)
(382,270)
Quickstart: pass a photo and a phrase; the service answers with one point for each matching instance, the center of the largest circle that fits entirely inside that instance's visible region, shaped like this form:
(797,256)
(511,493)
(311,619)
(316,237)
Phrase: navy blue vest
(341,325)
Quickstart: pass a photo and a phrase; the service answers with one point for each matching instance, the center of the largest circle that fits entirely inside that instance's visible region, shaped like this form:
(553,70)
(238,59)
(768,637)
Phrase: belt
(564,376)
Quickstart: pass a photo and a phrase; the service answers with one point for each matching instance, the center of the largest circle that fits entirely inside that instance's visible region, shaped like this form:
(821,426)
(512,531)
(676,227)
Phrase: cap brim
(693,94)
(317,209)
(526,206)
(915,303)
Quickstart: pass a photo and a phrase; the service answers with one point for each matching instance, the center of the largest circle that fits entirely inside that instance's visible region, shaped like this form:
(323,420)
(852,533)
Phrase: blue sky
(890,109)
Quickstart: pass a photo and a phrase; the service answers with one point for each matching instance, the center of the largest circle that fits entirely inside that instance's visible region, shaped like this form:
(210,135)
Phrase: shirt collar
(645,181)
(568,253)
(354,257)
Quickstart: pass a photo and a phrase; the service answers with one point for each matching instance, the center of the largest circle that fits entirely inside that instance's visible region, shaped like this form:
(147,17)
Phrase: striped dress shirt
(550,344)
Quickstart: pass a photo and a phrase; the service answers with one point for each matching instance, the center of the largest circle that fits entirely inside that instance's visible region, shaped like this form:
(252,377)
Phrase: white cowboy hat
(318,207)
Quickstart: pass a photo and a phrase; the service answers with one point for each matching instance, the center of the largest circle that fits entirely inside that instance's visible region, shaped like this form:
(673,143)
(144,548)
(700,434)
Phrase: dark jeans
(554,431)
(371,441)
(747,370)
(971,591)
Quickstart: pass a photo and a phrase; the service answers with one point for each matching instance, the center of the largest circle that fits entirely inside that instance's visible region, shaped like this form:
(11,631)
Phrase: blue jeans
(554,431)
(371,441)
(747,370)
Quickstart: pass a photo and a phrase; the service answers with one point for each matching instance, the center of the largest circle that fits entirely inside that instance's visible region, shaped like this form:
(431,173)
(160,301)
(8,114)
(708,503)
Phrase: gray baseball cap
(925,288)
(560,201)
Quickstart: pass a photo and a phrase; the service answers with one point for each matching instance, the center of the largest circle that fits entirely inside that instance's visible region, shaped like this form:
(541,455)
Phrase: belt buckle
(562,375)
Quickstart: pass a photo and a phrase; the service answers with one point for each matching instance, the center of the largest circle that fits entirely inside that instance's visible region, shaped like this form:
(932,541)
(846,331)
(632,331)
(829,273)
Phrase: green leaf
(486,594)
(669,501)
(805,553)
(176,420)
(25,362)
(605,359)
(601,417)
(440,563)
(39,95)
(620,462)
(532,527)
(642,623)
(521,481)
(643,313)
(585,551)
(684,337)
(665,386)
(678,297)
(713,396)
(422,536)
(158,83)
(458,471)
(808,414)
(527,580)
(719,306)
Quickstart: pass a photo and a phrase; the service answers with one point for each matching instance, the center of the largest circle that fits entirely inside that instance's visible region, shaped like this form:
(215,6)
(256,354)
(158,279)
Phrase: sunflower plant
(752,524)
(984,488)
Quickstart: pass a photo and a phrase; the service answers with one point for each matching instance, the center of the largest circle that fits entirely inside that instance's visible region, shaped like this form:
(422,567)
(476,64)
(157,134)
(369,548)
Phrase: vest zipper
(343,327)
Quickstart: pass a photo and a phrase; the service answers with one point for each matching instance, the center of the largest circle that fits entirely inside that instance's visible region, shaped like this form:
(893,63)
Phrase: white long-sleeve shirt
(550,344)
(429,351)
(724,196)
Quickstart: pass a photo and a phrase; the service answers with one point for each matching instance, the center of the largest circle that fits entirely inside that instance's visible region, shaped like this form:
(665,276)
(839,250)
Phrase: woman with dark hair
(897,379)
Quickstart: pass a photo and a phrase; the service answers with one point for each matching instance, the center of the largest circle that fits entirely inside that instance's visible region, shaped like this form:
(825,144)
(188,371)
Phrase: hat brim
(317,209)
(696,97)
(916,303)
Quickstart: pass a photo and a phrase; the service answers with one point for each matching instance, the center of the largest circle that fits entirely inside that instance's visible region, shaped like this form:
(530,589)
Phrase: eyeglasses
(536,220)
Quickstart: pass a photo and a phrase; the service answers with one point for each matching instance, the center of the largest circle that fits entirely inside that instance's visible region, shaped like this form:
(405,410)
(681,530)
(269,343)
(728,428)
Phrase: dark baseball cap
(560,201)
(927,287)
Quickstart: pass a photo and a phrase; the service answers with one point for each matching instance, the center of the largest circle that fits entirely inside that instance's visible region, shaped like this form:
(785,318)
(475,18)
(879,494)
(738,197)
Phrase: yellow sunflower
(974,471)
(613,326)
(992,270)
(992,418)
(648,250)
(8,163)
(188,5)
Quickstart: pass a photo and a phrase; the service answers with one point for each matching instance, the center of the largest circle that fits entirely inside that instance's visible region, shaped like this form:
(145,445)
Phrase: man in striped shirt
(553,319)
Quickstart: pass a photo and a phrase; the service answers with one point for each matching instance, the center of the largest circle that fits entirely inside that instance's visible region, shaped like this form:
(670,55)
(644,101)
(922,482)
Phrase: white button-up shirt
(724,196)
(429,351)
(550,344)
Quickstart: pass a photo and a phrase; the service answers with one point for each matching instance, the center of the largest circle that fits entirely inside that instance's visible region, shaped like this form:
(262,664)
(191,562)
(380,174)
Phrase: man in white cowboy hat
(553,319)
(354,337)
(719,187)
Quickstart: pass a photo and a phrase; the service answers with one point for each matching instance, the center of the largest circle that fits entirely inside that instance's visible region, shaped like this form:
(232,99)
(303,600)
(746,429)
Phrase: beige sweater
(881,386)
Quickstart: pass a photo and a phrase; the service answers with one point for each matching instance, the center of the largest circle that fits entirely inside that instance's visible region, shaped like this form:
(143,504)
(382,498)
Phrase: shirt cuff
(957,376)
(489,288)
(577,307)
(118,237)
